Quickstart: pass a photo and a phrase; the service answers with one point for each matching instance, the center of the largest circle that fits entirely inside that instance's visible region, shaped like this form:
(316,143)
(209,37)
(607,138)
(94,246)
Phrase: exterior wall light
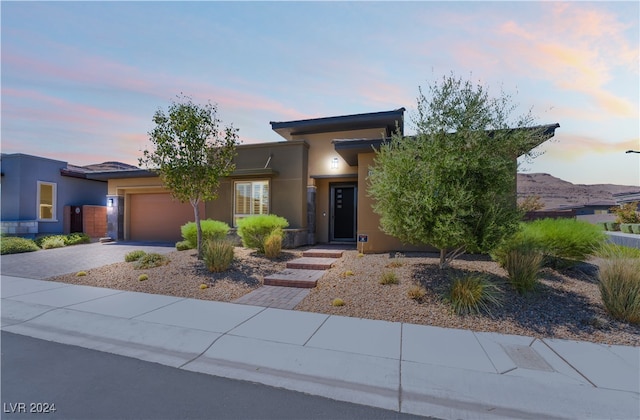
(334,163)
(110,202)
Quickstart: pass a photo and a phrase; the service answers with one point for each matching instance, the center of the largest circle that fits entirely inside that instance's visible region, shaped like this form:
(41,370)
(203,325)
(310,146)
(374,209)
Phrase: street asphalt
(407,368)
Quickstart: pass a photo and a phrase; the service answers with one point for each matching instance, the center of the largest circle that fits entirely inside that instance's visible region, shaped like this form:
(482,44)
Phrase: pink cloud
(572,146)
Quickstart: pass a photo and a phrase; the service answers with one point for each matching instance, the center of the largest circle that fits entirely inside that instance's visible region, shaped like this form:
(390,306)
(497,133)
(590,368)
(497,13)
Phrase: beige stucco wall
(322,151)
(288,188)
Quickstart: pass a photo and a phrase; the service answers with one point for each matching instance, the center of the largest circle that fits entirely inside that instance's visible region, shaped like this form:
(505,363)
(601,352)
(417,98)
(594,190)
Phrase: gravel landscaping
(567,304)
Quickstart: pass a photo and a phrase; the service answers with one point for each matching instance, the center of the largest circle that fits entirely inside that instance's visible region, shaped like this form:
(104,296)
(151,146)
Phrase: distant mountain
(555,192)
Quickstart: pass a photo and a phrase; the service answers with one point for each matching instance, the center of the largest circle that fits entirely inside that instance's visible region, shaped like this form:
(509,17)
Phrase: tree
(452,185)
(191,152)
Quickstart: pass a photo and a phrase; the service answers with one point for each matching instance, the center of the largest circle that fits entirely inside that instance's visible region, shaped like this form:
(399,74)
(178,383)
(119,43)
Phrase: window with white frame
(46,200)
(250,197)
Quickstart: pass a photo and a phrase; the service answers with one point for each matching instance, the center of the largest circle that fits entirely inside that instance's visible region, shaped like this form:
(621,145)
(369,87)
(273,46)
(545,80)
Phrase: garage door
(157,217)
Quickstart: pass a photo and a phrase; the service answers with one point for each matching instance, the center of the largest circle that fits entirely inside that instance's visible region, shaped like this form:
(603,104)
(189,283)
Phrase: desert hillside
(554,192)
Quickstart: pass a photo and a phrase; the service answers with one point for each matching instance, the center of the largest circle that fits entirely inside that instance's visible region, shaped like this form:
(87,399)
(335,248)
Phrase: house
(316,178)
(47,196)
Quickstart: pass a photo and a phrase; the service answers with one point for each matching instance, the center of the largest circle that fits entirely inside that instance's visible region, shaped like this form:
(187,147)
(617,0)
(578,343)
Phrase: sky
(82,80)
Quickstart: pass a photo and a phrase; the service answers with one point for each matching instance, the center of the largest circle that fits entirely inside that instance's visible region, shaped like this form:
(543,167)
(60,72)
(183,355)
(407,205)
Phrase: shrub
(417,293)
(81,273)
(211,230)
(635,228)
(16,245)
(217,255)
(348,273)
(611,250)
(273,244)
(143,277)
(77,239)
(620,288)
(253,230)
(472,293)
(625,227)
(562,240)
(337,302)
(150,260)
(396,261)
(50,242)
(523,265)
(627,213)
(204,286)
(183,246)
(389,277)
(602,225)
(613,226)
(134,255)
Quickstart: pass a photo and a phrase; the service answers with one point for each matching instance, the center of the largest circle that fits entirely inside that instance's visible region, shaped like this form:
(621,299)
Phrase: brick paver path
(274,297)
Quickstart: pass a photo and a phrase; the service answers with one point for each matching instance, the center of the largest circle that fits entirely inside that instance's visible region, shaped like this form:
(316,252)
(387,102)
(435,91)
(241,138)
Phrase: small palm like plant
(218,255)
(473,293)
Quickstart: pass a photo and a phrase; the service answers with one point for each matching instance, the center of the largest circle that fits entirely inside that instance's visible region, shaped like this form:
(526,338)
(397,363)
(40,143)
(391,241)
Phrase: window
(250,197)
(46,201)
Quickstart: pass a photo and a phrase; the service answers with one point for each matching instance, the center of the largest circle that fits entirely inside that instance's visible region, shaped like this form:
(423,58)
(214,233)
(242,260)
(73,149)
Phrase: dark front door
(343,212)
(76,220)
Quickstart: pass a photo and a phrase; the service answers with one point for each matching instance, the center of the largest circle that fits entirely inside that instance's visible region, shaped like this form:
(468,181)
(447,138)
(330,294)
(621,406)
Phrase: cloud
(573,146)
(578,49)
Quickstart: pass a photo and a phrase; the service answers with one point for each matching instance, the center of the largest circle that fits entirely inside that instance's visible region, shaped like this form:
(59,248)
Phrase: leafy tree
(452,185)
(191,152)
(530,203)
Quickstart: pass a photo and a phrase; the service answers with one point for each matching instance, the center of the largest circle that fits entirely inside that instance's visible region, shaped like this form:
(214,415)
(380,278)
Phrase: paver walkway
(284,290)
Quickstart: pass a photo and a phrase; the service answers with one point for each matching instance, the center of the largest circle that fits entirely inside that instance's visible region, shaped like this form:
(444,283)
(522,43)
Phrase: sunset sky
(81,80)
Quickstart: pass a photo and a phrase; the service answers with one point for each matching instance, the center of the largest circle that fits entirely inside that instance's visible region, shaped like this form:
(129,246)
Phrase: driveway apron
(53,262)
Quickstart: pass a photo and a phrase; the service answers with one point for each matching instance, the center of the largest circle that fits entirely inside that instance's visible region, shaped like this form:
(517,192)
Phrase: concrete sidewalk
(408,368)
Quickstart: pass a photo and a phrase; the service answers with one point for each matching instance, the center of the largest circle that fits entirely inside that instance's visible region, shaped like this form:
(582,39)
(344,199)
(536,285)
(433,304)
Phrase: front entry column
(115,217)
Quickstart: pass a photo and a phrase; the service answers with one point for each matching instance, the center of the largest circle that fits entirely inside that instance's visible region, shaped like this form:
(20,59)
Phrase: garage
(157,217)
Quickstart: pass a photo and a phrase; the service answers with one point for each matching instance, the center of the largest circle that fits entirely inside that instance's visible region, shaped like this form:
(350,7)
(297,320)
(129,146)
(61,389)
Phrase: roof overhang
(349,149)
(133,173)
(387,119)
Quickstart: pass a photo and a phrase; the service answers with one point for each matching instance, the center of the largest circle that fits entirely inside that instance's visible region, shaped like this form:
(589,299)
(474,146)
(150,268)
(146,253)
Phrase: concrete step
(323,253)
(311,263)
(294,278)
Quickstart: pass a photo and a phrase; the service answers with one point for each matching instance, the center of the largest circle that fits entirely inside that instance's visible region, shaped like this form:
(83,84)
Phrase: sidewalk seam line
(567,362)
(400,370)
(221,335)
(316,330)
(485,352)
(155,309)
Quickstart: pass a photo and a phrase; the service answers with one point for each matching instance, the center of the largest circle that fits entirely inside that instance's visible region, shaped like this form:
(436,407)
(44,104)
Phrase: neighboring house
(47,196)
(595,207)
(316,179)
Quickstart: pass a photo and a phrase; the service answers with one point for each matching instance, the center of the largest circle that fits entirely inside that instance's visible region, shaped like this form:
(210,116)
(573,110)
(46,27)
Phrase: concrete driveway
(53,262)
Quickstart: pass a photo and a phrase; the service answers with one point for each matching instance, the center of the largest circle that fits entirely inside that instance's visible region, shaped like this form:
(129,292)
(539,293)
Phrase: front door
(343,212)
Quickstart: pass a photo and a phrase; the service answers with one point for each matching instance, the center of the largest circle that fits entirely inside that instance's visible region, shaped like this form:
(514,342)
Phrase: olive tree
(191,152)
(452,185)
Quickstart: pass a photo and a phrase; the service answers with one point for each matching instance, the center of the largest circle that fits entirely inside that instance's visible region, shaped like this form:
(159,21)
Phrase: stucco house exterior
(316,178)
(47,196)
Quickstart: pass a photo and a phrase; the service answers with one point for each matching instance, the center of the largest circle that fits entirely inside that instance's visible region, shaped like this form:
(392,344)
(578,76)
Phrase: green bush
(389,277)
(625,227)
(602,225)
(211,230)
(273,244)
(472,293)
(150,260)
(134,255)
(51,242)
(253,230)
(217,255)
(523,266)
(77,239)
(635,228)
(183,246)
(16,245)
(620,288)
(613,226)
(611,250)
(563,240)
